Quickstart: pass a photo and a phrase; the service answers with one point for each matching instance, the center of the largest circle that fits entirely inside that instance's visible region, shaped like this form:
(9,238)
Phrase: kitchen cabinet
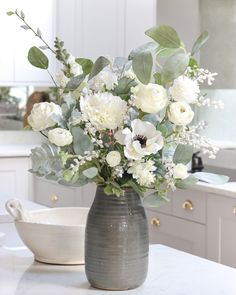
(52,194)
(221,232)
(15,68)
(15,180)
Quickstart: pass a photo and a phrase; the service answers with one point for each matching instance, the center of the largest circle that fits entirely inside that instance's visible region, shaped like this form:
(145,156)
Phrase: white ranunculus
(60,136)
(143,140)
(105,79)
(113,158)
(143,172)
(75,68)
(180,113)
(41,116)
(151,98)
(103,110)
(185,89)
(61,79)
(180,171)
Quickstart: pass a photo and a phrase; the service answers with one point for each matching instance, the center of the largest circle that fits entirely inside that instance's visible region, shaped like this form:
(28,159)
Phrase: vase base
(114,289)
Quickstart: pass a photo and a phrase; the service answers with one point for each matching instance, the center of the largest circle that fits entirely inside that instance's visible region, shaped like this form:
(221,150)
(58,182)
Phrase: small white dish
(54,235)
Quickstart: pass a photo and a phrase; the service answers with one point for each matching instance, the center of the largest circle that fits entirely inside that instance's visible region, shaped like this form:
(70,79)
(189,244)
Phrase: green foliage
(193,64)
(166,128)
(113,188)
(211,178)
(61,53)
(201,40)
(86,64)
(174,67)
(147,47)
(187,182)
(46,160)
(131,183)
(98,66)
(37,58)
(75,82)
(90,172)
(165,36)
(183,154)
(81,141)
(155,200)
(9,13)
(165,52)
(142,64)
(123,87)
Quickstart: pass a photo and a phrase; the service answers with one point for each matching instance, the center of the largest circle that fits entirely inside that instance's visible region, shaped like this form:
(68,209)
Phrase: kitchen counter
(171,272)
(20,150)
(227,189)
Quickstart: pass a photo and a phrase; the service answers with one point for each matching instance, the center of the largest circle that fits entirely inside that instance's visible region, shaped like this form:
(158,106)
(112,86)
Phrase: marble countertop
(171,272)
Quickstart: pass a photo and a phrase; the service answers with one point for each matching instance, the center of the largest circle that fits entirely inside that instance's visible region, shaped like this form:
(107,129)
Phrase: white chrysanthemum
(143,140)
(184,89)
(151,98)
(103,110)
(105,79)
(180,113)
(180,171)
(60,136)
(61,79)
(41,116)
(143,172)
(75,68)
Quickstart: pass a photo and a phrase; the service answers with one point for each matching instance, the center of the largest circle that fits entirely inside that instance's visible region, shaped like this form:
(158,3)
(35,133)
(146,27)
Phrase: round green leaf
(37,58)
(201,40)
(142,64)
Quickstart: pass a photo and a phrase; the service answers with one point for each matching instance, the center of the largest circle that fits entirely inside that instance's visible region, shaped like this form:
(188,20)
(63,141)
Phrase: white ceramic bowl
(55,235)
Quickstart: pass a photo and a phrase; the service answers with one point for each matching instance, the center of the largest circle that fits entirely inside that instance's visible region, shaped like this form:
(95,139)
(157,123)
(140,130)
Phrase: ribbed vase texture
(116,242)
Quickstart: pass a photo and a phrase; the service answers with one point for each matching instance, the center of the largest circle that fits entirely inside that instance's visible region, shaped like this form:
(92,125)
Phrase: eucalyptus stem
(53,80)
(37,33)
(43,134)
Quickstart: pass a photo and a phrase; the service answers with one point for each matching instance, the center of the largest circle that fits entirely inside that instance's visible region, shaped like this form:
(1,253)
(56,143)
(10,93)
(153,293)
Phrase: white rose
(185,89)
(180,171)
(60,137)
(105,79)
(113,158)
(41,115)
(103,110)
(180,113)
(151,98)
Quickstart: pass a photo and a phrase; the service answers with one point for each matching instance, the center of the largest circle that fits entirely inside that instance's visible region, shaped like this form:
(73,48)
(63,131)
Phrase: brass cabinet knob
(188,205)
(54,198)
(156,221)
(234,210)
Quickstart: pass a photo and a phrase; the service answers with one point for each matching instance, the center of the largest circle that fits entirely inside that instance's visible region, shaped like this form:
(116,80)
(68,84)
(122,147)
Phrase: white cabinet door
(221,229)
(16,42)
(14,177)
(105,27)
(175,232)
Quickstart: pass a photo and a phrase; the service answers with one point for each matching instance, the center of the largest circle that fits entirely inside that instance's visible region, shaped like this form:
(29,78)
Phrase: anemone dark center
(142,140)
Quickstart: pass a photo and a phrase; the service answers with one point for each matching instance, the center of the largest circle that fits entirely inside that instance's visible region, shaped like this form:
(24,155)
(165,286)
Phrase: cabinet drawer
(52,194)
(189,204)
(175,232)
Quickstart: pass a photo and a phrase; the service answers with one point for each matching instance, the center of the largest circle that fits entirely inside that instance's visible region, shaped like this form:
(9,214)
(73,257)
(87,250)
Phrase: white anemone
(143,140)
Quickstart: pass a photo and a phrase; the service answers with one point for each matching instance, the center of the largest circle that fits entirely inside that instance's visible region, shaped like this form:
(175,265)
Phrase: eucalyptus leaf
(165,52)
(75,82)
(81,141)
(90,172)
(142,64)
(183,154)
(174,67)
(9,13)
(187,182)
(211,177)
(98,66)
(123,87)
(86,64)
(201,40)
(37,58)
(149,47)
(25,27)
(193,64)
(154,200)
(165,36)
(157,78)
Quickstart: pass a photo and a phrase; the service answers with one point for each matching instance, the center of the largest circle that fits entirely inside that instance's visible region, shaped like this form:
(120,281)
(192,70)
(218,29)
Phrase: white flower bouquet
(123,123)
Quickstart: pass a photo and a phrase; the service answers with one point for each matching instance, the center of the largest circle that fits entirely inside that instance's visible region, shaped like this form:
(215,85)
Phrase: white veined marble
(171,272)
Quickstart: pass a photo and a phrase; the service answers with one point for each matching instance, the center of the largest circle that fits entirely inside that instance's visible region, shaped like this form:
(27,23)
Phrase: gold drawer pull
(54,198)
(188,205)
(156,221)
(234,210)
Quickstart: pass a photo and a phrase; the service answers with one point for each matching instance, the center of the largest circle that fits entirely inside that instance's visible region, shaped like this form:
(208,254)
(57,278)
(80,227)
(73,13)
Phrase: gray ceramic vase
(116,242)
